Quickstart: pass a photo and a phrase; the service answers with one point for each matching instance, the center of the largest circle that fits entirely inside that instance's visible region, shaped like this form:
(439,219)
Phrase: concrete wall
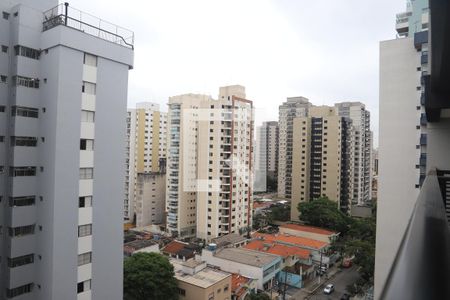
(216,290)
(398,153)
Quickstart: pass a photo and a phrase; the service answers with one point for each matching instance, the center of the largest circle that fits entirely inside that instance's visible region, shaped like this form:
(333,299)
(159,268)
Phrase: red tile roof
(237,282)
(306,228)
(278,249)
(261,204)
(293,240)
(173,247)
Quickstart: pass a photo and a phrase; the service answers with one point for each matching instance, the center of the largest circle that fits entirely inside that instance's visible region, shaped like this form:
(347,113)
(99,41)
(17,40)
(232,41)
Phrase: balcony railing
(64,15)
(421,268)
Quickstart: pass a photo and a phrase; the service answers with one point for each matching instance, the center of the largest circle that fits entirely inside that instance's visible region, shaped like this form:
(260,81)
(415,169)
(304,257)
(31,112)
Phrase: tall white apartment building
(147,140)
(360,165)
(63,93)
(266,156)
(292,108)
(403,132)
(209,164)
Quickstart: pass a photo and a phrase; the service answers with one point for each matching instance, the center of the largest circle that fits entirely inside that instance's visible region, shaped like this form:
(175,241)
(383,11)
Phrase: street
(340,282)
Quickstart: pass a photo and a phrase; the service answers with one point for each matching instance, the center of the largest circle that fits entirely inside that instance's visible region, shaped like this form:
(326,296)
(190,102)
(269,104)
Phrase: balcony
(64,15)
(424,58)
(422,266)
(423,139)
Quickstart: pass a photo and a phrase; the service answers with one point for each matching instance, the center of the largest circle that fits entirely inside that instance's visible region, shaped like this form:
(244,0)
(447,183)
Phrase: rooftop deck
(65,15)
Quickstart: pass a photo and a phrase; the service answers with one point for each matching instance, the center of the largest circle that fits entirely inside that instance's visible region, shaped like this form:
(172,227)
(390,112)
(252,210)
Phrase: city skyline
(295,45)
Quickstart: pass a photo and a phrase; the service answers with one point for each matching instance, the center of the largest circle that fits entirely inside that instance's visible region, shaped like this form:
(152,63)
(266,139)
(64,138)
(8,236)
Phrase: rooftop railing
(64,15)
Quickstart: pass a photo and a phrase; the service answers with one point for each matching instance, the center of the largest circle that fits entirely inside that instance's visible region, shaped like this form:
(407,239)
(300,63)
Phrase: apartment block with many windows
(62,91)
(209,164)
(292,108)
(402,151)
(320,158)
(361,151)
(147,139)
(266,155)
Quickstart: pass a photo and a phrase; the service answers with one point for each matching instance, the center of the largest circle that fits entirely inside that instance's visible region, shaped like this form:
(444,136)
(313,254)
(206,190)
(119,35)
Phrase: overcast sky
(325,50)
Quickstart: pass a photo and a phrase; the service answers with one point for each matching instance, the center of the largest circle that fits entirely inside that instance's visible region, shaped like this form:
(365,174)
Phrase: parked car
(328,289)
(345,296)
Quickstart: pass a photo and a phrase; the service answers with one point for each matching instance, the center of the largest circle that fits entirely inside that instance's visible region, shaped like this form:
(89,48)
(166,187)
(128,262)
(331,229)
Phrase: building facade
(360,164)
(63,94)
(150,199)
(403,132)
(320,158)
(293,107)
(209,164)
(146,148)
(266,156)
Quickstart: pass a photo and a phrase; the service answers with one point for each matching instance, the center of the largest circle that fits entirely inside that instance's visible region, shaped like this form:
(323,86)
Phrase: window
(2,169)
(87,145)
(22,171)
(23,111)
(2,108)
(181,292)
(22,201)
(2,138)
(225,288)
(85,201)
(3,78)
(88,88)
(84,258)
(90,60)
(84,286)
(20,260)
(25,141)
(26,82)
(21,230)
(86,173)
(27,52)
(4,49)
(84,230)
(20,290)
(87,116)
(5,15)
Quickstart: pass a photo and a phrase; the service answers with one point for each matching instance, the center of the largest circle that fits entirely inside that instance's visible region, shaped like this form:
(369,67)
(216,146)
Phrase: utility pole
(320,265)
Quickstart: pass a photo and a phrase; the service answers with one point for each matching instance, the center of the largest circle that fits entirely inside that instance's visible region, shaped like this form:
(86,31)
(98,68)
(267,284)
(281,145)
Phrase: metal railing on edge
(421,269)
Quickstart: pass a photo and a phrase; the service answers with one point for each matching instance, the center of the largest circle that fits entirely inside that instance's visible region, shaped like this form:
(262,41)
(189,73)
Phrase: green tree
(280,213)
(149,276)
(254,296)
(323,212)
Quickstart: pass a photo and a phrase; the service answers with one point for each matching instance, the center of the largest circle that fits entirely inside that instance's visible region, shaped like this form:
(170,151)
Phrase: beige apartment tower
(320,158)
(292,108)
(146,149)
(209,166)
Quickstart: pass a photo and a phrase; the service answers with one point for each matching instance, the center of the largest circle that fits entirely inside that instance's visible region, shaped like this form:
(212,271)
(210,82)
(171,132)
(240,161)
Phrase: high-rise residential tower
(361,151)
(266,156)
(293,107)
(63,94)
(147,147)
(320,158)
(403,132)
(209,164)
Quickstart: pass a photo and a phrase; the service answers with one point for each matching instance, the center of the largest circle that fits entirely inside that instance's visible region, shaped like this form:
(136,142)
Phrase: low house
(179,250)
(294,258)
(290,254)
(311,232)
(136,246)
(319,249)
(253,264)
(241,286)
(230,240)
(196,281)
